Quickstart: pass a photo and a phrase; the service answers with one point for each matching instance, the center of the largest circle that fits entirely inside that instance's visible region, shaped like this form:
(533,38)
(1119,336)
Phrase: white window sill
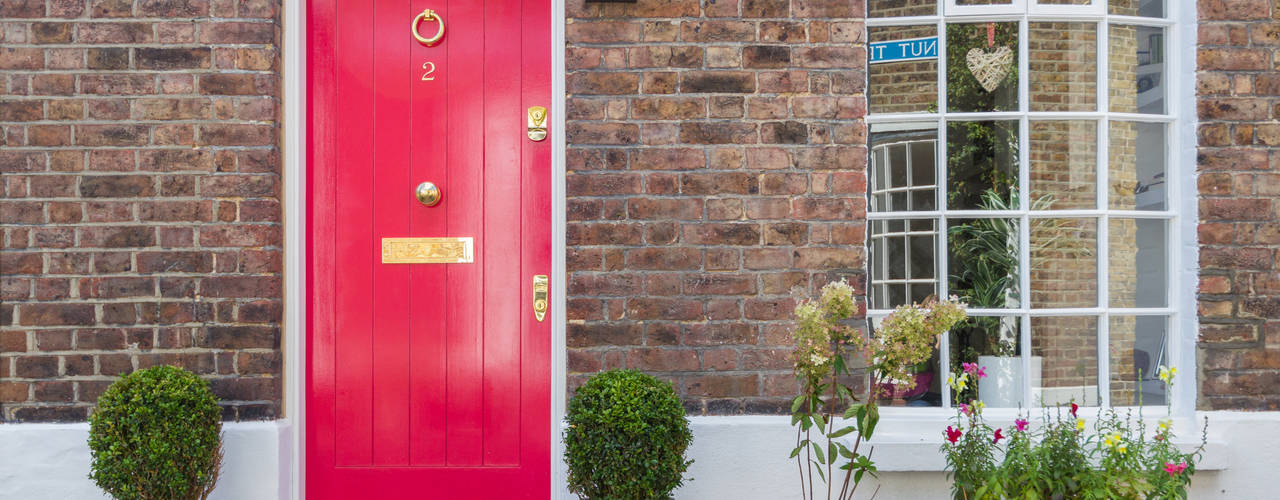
(906,440)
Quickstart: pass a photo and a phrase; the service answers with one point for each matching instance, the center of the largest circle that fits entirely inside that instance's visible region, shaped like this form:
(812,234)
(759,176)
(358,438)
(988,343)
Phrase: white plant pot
(1002,387)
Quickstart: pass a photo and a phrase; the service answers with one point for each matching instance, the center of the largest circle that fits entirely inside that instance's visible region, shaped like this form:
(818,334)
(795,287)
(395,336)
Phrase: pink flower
(970,367)
(982,372)
(998,437)
(1074,407)
(953,435)
(964,408)
(1021,423)
(1173,469)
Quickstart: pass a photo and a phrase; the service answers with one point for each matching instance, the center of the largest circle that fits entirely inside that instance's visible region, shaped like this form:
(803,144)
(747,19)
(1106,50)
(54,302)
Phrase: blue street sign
(904,50)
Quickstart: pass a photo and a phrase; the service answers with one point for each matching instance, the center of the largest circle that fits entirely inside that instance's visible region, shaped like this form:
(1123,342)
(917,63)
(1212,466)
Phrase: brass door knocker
(427,15)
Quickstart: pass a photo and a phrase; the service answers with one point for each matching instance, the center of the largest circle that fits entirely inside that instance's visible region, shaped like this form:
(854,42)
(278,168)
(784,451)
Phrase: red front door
(427,380)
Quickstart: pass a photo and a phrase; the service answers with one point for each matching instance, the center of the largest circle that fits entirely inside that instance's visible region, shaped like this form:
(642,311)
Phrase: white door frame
(293,47)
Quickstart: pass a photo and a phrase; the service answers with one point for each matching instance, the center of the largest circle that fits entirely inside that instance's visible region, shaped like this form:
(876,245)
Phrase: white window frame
(1181,249)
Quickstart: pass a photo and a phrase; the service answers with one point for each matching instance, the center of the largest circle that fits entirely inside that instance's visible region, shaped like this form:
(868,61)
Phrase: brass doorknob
(428,194)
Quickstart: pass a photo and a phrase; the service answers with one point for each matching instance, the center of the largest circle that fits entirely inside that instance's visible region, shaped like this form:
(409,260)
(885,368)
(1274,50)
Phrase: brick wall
(139,206)
(1239,184)
(716,160)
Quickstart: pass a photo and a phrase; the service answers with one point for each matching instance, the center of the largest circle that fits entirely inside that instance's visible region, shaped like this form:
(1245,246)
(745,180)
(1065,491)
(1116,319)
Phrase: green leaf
(842,431)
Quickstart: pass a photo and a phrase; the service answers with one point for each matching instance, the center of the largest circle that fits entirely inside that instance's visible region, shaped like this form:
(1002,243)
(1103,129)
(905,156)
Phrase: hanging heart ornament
(990,66)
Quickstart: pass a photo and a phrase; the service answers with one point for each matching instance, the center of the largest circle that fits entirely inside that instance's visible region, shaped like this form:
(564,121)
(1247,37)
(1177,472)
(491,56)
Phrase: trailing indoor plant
(1062,459)
(156,434)
(626,438)
(826,344)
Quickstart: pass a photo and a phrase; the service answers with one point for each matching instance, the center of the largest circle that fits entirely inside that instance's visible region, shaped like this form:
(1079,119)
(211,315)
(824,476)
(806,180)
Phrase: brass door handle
(428,194)
(428,15)
(540,296)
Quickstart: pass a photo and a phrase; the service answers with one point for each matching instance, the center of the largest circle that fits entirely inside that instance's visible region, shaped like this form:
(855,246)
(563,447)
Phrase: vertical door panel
(392,200)
(465,315)
(503,278)
(354,362)
(429,292)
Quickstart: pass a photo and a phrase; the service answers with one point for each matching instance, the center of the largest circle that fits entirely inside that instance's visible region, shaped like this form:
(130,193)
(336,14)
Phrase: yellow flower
(979,405)
(1112,440)
(1167,374)
(1079,424)
(1121,448)
(1165,423)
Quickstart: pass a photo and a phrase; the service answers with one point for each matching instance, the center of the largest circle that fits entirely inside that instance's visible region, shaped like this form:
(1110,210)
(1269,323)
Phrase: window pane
(1064,2)
(901,8)
(903,74)
(982,165)
(991,342)
(1137,263)
(984,2)
(903,262)
(1063,158)
(902,172)
(1064,269)
(982,67)
(1064,360)
(1139,346)
(1136,169)
(1144,8)
(1137,76)
(983,261)
(925,389)
(1063,67)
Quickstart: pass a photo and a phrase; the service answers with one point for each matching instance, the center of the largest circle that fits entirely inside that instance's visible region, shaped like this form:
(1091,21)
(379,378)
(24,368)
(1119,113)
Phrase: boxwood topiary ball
(626,438)
(157,434)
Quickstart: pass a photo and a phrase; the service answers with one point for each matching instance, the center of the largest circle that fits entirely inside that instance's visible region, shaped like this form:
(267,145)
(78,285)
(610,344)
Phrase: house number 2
(431,68)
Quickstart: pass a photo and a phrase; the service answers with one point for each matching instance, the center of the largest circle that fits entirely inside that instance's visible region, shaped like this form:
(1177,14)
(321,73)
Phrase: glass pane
(903,262)
(983,261)
(1064,269)
(1064,2)
(1137,263)
(924,390)
(1062,66)
(921,258)
(1064,360)
(922,159)
(1139,347)
(982,165)
(1063,162)
(903,74)
(901,8)
(1137,76)
(902,171)
(993,343)
(1136,169)
(984,2)
(982,67)
(897,165)
(1144,8)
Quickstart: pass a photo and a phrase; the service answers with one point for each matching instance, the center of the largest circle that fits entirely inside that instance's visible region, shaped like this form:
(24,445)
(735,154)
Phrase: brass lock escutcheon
(428,15)
(540,296)
(537,123)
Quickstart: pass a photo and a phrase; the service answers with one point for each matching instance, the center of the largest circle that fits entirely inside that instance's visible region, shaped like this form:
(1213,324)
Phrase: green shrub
(626,438)
(157,435)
